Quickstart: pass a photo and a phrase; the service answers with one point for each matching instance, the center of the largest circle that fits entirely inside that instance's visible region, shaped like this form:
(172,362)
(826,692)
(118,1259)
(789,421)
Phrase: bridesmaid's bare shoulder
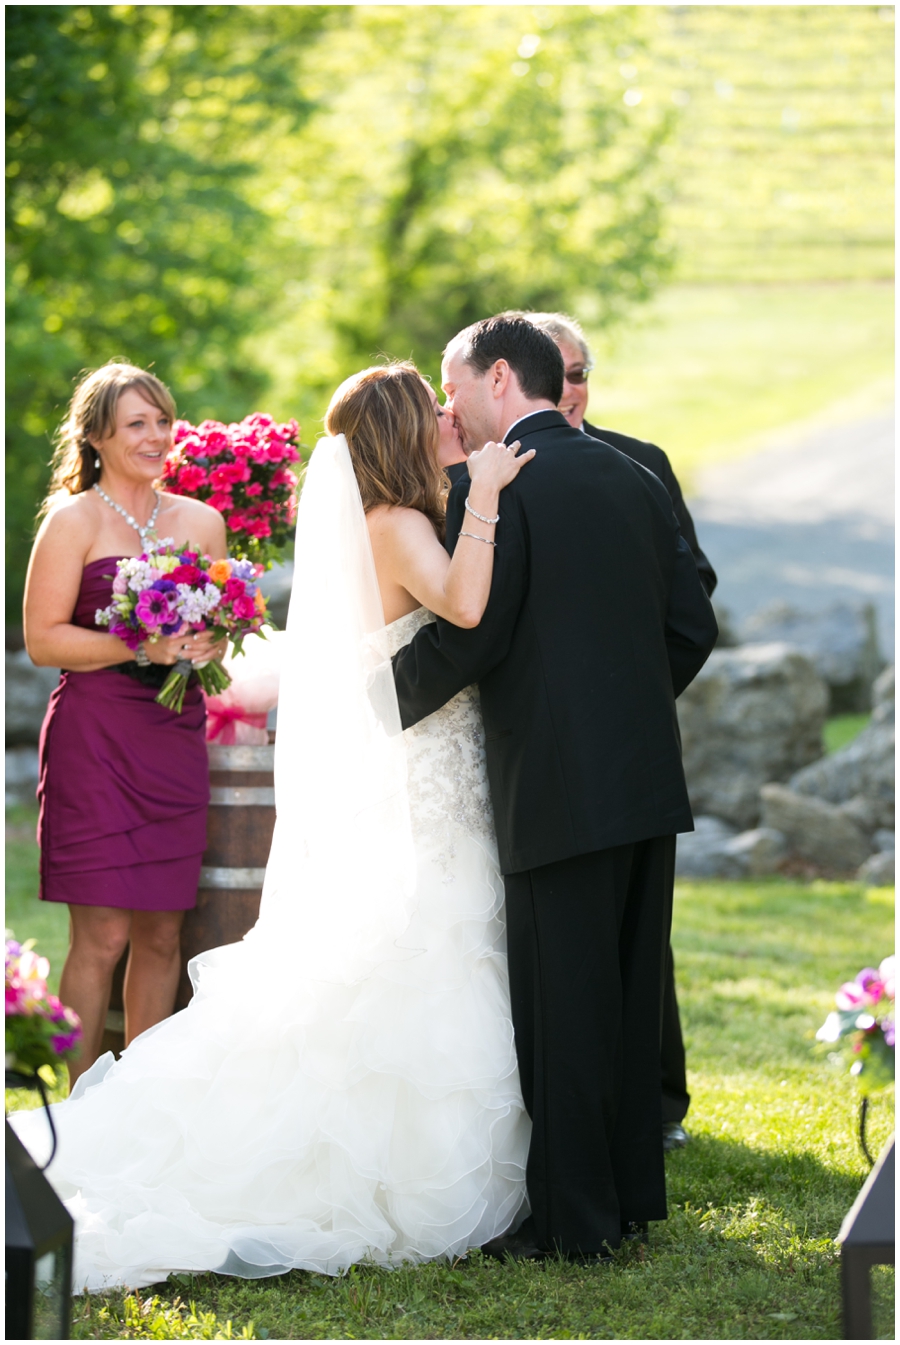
(193,521)
(71,519)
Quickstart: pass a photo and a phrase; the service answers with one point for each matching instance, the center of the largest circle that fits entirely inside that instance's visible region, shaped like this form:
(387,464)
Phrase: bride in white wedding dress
(343,1085)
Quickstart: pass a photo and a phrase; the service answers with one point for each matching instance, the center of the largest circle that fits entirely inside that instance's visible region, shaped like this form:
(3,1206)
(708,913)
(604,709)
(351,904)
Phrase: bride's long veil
(340,880)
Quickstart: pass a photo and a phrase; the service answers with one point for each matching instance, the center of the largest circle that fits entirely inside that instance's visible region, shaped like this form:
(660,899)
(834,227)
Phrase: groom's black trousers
(587,941)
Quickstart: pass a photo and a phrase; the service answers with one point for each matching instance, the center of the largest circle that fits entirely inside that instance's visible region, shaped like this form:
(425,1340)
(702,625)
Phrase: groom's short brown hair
(532,355)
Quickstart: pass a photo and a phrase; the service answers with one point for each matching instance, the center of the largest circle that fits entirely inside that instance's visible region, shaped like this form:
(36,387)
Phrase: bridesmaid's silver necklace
(144,532)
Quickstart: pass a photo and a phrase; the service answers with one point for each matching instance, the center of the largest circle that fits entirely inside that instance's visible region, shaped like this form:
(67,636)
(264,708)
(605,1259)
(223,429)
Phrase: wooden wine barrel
(238,838)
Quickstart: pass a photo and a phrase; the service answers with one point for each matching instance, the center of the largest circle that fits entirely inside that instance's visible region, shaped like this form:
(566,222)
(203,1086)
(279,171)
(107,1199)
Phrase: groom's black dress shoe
(514,1246)
(522,1245)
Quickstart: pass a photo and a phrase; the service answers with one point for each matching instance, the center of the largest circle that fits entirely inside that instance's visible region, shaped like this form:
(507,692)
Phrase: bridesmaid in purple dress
(124,783)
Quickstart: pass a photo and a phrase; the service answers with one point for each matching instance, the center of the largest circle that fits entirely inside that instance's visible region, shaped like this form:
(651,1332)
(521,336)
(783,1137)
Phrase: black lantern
(39,1232)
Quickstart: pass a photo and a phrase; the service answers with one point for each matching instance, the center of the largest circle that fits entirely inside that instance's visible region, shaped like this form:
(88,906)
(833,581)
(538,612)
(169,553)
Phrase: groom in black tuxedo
(578,363)
(597,620)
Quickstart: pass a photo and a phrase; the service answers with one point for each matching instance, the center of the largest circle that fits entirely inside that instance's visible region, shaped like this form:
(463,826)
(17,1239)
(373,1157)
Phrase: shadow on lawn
(724,1174)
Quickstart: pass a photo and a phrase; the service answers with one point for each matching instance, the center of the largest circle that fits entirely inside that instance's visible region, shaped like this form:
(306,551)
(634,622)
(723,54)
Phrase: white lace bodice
(448,785)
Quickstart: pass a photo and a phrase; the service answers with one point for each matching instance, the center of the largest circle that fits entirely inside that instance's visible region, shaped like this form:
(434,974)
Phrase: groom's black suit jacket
(597,620)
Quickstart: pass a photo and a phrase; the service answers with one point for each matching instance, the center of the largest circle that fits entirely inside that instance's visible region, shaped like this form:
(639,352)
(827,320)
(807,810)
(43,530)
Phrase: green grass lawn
(842,729)
(28,918)
(756,1198)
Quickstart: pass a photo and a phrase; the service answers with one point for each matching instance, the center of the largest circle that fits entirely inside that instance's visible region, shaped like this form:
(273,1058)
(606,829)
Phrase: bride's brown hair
(391,429)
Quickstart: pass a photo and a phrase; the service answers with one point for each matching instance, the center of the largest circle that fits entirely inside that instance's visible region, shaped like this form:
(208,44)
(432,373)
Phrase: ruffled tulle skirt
(282,1121)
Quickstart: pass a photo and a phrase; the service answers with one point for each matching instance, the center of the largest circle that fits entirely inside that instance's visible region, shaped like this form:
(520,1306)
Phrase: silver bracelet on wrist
(477,538)
(481,518)
(140,657)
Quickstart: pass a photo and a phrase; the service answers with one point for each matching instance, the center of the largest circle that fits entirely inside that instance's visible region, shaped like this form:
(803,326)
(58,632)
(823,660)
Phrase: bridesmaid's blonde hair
(391,429)
(92,415)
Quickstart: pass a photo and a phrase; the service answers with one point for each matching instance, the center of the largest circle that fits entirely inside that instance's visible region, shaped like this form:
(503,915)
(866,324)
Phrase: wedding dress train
(343,1085)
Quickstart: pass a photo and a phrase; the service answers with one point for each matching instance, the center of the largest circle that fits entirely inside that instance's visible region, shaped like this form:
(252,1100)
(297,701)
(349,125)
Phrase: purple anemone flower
(155,608)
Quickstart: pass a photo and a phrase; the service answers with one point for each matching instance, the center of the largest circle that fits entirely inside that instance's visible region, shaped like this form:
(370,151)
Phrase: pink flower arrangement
(243,471)
(864,1023)
(167,592)
(40,1030)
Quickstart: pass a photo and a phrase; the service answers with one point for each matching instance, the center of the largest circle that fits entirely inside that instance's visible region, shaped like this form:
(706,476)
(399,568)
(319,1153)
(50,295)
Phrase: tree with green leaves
(257,200)
(461,161)
(131,229)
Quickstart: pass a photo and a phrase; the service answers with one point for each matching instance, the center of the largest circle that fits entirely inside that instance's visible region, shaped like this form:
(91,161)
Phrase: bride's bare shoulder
(392,522)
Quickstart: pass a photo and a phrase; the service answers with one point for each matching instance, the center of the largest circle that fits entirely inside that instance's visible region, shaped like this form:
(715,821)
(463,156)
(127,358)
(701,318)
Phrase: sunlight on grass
(707,372)
(755,1199)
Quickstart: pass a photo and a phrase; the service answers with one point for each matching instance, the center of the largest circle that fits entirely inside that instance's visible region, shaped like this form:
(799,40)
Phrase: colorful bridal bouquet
(39,1029)
(168,592)
(864,1025)
(242,470)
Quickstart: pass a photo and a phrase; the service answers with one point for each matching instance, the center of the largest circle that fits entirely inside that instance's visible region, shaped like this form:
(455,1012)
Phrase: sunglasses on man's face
(577,375)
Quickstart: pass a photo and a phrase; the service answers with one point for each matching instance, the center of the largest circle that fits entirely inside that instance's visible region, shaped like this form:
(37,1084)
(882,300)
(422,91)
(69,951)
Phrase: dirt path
(809,519)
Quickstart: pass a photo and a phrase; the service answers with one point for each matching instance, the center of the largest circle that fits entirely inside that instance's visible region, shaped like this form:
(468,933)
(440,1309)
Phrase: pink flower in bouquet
(156,607)
(132,638)
(234,588)
(244,608)
(188,574)
(120,584)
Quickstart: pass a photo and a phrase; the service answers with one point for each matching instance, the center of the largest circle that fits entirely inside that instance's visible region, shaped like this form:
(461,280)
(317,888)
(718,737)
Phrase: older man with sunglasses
(576,354)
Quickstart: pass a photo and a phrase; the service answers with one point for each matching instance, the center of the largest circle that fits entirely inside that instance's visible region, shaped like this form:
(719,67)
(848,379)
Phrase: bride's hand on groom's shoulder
(495,465)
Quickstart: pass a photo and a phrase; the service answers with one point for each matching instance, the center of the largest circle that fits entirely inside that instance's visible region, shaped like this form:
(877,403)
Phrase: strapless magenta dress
(124,783)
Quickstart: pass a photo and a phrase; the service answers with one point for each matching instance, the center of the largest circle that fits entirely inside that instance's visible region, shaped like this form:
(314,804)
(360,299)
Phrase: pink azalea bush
(864,1025)
(244,471)
(40,1030)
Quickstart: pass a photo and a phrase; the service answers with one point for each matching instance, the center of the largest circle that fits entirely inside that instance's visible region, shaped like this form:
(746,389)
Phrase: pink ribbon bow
(232,724)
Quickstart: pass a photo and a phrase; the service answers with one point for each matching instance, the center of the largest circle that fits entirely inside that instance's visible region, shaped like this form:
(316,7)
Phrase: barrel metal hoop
(242,796)
(249,879)
(240,758)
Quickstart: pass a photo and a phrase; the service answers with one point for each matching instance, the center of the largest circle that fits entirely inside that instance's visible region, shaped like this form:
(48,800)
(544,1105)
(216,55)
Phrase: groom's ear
(499,376)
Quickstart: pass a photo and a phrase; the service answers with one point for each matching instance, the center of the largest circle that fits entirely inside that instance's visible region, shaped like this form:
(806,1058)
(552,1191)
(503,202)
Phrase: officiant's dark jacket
(656,461)
(597,620)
